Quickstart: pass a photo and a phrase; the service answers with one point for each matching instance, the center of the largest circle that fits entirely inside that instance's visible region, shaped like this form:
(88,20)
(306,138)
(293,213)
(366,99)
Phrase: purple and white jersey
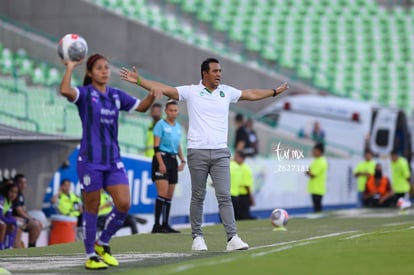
(99,115)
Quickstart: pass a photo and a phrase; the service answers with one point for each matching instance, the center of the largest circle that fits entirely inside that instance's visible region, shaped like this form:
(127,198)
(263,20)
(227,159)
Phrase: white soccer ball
(279,217)
(72,47)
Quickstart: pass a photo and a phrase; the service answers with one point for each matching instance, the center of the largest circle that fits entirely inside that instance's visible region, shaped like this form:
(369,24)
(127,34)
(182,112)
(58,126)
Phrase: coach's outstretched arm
(133,77)
(257,94)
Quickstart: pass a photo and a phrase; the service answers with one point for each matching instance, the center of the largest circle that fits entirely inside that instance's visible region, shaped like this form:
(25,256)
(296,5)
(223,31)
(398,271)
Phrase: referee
(208,104)
(167,136)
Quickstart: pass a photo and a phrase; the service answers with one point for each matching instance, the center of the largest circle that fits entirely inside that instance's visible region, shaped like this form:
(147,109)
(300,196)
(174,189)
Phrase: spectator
(105,207)
(8,224)
(241,182)
(318,170)
(378,191)
(67,202)
(362,171)
(241,134)
(29,224)
(155,113)
(317,134)
(251,147)
(400,176)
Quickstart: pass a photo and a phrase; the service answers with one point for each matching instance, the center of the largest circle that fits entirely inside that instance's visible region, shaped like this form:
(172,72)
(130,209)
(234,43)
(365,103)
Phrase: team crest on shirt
(202,93)
(222,94)
(118,104)
(86,180)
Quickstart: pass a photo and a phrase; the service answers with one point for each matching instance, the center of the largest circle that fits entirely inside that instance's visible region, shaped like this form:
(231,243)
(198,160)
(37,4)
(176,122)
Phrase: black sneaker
(157,229)
(169,229)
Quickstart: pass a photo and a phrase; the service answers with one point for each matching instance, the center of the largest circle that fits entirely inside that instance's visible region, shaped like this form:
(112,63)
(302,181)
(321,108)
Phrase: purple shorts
(93,176)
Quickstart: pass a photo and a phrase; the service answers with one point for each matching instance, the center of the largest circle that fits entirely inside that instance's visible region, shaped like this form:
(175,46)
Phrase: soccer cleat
(236,244)
(95,263)
(199,244)
(168,229)
(105,253)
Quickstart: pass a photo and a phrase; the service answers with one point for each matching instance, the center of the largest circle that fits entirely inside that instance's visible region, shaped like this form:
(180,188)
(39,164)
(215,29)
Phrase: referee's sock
(159,203)
(166,214)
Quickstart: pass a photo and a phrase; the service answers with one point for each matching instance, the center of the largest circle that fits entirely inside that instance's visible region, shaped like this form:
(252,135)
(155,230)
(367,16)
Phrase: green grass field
(370,242)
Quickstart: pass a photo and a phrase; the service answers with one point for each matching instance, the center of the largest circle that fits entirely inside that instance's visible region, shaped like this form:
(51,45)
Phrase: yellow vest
(246,179)
(319,169)
(149,143)
(6,206)
(105,197)
(364,167)
(69,205)
(400,172)
(235,178)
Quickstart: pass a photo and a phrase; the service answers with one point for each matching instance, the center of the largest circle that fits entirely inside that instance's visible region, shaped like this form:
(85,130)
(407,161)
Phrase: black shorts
(171,165)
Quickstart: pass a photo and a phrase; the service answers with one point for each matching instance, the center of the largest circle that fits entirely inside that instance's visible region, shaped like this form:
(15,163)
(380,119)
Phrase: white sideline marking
(307,239)
(56,262)
(259,254)
(283,246)
(397,223)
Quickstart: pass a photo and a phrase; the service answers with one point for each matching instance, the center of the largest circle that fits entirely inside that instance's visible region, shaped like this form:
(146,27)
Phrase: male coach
(208,109)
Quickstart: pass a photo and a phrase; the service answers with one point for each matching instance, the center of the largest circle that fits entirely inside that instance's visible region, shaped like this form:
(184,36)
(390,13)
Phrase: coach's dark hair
(170,102)
(205,66)
(89,65)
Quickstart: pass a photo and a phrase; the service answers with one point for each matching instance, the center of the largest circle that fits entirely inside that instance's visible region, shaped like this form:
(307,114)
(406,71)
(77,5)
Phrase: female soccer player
(8,224)
(167,136)
(99,162)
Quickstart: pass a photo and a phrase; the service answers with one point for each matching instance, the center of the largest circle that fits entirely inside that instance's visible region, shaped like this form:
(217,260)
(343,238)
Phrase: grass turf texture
(331,245)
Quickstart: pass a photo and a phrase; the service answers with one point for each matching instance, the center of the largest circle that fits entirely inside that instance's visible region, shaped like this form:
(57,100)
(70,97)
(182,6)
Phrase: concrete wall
(132,43)
(38,161)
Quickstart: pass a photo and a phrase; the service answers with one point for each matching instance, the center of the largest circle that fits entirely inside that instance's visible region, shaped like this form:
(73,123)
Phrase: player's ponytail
(89,65)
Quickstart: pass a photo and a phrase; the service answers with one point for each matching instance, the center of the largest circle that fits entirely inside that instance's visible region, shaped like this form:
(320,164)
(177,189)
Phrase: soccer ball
(72,47)
(279,218)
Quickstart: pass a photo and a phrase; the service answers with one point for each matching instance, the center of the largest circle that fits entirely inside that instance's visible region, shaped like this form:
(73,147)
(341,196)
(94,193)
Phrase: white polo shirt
(208,113)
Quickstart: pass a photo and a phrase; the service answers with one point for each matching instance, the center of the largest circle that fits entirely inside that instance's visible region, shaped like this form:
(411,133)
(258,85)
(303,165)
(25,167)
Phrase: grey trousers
(215,162)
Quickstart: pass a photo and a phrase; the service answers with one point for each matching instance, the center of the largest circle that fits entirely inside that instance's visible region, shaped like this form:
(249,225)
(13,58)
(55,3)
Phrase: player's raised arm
(65,86)
(258,94)
(150,85)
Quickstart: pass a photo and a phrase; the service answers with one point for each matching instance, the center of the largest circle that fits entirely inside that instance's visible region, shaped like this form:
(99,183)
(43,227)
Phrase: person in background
(240,138)
(105,207)
(317,173)
(241,183)
(8,224)
(68,203)
(29,224)
(251,148)
(378,191)
(316,133)
(99,164)
(400,176)
(165,168)
(155,114)
(362,171)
